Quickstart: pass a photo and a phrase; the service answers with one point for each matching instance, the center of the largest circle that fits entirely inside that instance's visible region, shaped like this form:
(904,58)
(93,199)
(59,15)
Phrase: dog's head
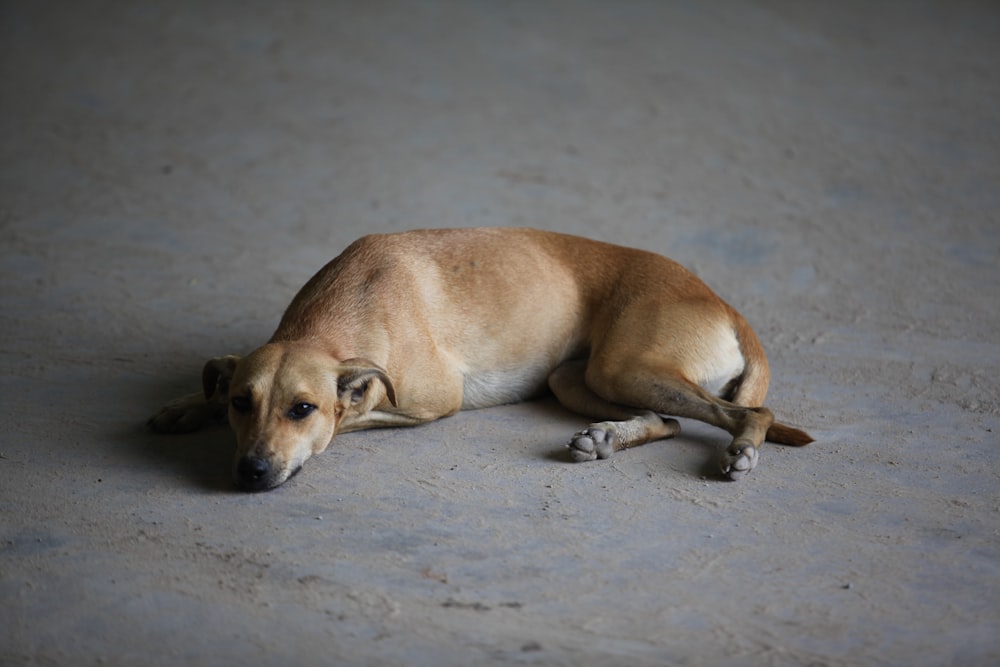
(286,401)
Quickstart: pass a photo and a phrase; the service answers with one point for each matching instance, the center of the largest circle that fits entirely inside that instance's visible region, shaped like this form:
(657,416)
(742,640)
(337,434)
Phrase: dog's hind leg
(624,428)
(658,387)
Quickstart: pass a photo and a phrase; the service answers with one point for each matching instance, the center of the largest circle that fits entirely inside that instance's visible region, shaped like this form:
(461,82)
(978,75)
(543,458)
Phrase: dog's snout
(253,473)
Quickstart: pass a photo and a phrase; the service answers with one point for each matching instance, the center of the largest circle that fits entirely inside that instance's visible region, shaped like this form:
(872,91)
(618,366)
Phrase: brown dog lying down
(402,329)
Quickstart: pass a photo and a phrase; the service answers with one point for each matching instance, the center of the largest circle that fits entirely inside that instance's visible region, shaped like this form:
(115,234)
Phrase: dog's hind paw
(592,443)
(738,460)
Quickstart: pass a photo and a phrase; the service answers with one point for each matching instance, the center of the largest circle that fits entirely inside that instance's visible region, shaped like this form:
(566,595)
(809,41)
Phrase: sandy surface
(170,173)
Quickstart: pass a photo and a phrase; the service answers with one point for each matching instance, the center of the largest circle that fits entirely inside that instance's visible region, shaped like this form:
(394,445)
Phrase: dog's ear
(354,379)
(216,374)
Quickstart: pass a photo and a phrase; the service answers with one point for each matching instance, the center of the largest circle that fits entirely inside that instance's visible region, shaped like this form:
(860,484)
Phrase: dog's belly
(483,389)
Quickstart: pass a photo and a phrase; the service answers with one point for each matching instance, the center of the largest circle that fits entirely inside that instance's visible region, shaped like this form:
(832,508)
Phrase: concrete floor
(171,173)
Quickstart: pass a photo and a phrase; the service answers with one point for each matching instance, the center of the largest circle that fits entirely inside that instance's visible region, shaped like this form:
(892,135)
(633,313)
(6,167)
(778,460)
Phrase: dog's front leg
(191,412)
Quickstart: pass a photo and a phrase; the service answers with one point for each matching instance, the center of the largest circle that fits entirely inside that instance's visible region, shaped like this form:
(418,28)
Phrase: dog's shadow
(204,458)
(201,459)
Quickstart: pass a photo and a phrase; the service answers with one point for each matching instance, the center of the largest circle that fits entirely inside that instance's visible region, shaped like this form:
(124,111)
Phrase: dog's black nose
(252,473)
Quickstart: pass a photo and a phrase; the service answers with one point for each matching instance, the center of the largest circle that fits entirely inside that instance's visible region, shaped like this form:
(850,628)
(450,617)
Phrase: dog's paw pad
(738,460)
(592,443)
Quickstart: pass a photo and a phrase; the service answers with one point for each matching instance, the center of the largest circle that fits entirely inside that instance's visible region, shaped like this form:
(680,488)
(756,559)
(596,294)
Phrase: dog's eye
(301,410)
(241,404)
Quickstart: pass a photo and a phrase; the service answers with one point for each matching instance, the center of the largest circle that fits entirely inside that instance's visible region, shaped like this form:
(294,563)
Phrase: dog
(402,329)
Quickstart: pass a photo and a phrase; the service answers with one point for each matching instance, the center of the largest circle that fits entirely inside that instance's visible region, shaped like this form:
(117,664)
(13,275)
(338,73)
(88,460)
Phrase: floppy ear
(354,381)
(216,374)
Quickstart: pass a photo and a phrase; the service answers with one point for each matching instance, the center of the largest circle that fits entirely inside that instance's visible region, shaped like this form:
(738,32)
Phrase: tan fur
(401,329)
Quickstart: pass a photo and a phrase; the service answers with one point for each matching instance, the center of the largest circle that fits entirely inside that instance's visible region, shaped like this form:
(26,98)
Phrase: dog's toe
(592,443)
(173,421)
(739,460)
(581,448)
(182,416)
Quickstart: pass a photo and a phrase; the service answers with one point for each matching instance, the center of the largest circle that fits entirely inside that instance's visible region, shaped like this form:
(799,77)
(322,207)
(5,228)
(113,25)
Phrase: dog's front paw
(738,460)
(597,441)
(188,413)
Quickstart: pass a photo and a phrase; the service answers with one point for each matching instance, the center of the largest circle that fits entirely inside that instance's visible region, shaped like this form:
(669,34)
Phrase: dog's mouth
(254,475)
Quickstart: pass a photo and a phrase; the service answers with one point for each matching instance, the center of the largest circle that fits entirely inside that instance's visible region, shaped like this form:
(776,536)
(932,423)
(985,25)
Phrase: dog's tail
(784,434)
(752,388)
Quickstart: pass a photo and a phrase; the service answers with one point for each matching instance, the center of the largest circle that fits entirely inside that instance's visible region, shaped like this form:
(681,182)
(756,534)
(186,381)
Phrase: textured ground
(170,173)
